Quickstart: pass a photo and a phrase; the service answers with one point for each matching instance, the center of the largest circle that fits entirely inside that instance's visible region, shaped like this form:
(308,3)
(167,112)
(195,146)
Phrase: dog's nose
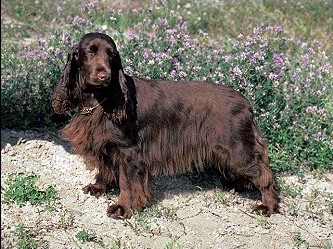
(101,76)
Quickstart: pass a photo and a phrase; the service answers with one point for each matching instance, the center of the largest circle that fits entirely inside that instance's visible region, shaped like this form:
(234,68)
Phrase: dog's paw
(94,189)
(117,211)
(263,210)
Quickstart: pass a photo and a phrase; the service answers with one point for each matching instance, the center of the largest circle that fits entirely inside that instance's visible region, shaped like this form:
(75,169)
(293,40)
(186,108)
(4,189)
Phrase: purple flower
(84,6)
(311,108)
(326,68)
(78,20)
(278,60)
(242,55)
(145,54)
(182,74)
(65,37)
(273,76)
(93,4)
(278,29)
(176,63)
(59,10)
(173,73)
(69,19)
(318,136)
(227,57)
(163,22)
(172,40)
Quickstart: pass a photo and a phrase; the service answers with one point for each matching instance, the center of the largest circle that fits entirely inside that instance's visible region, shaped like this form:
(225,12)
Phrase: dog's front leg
(122,209)
(134,184)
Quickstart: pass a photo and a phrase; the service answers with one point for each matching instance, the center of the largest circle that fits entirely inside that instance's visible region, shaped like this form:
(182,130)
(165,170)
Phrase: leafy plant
(21,189)
(140,221)
(299,241)
(25,237)
(289,190)
(88,236)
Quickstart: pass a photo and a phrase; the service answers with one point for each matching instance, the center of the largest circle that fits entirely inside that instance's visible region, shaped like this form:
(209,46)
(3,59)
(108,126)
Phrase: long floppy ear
(125,109)
(64,97)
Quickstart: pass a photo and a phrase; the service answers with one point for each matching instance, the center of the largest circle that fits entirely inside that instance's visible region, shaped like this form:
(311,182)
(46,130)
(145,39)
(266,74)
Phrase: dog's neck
(111,102)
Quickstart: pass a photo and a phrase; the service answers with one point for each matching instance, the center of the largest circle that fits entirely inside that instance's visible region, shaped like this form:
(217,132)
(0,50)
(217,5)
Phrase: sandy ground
(192,211)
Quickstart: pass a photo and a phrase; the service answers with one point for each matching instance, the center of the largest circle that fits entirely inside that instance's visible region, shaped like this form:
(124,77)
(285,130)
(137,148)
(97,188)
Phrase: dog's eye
(110,53)
(93,49)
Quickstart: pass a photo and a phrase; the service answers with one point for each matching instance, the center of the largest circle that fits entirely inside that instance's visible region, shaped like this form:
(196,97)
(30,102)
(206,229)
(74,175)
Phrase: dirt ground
(190,211)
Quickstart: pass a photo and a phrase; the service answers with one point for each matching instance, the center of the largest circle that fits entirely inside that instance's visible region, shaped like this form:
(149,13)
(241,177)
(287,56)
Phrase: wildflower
(278,29)
(318,136)
(176,63)
(273,76)
(145,54)
(242,55)
(173,73)
(182,74)
(69,19)
(163,22)
(84,6)
(173,40)
(278,60)
(60,10)
(227,57)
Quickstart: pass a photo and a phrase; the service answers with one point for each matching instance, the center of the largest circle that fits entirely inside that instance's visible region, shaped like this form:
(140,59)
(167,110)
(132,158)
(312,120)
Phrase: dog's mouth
(97,83)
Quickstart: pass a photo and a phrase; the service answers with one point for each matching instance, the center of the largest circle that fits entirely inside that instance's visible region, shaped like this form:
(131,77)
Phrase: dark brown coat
(131,129)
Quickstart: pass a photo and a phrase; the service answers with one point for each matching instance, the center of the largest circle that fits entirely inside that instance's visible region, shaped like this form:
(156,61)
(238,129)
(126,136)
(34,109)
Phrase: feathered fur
(131,129)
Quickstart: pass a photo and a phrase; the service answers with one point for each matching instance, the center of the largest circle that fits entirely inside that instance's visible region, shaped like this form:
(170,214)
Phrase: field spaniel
(132,129)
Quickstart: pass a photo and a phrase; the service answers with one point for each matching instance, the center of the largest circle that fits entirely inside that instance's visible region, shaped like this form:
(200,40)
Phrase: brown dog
(132,129)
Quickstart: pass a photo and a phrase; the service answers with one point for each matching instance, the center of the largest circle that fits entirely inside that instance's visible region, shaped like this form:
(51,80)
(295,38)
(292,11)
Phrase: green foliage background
(277,53)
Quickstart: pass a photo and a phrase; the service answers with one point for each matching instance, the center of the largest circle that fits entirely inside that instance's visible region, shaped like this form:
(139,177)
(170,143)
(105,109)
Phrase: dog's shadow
(210,179)
(164,187)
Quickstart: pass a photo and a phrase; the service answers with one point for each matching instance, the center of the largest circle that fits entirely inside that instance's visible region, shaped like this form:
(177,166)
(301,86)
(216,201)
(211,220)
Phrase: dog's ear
(126,107)
(64,97)
(123,83)
(69,74)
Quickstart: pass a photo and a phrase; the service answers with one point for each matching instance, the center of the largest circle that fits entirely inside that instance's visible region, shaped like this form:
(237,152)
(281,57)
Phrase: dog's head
(93,63)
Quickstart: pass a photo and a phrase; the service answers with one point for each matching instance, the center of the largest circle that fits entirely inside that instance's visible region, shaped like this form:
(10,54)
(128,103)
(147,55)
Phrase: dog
(133,129)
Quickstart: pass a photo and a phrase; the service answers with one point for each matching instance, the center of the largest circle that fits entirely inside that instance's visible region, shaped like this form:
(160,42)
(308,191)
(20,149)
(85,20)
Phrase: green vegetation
(277,53)
(25,238)
(140,221)
(88,236)
(21,189)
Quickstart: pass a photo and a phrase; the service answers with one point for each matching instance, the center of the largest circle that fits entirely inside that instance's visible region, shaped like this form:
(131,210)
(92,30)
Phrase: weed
(25,237)
(88,236)
(262,220)
(173,244)
(140,221)
(139,224)
(221,196)
(299,241)
(330,203)
(290,190)
(67,220)
(21,189)
(294,208)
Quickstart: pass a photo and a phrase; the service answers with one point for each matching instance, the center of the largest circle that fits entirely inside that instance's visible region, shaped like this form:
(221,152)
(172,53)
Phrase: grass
(22,189)
(67,220)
